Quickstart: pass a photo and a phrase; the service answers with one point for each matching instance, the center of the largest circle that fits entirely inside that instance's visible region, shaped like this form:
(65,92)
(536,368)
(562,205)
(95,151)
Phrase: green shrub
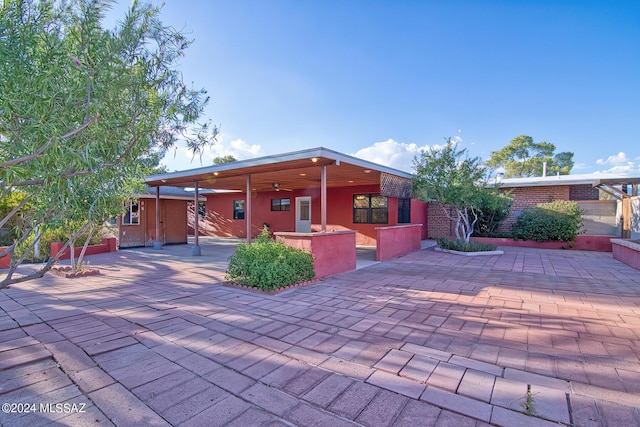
(462,246)
(554,221)
(492,208)
(267,264)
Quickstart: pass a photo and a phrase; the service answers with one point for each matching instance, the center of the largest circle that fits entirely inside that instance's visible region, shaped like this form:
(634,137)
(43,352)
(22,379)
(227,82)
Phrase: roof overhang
(295,170)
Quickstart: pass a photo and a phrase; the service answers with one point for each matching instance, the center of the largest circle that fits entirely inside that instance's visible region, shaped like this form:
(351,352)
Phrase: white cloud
(619,165)
(618,159)
(391,153)
(180,158)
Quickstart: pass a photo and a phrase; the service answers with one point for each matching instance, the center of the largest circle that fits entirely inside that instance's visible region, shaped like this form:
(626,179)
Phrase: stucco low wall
(582,243)
(627,251)
(397,240)
(333,252)
(107,245)
(5,261)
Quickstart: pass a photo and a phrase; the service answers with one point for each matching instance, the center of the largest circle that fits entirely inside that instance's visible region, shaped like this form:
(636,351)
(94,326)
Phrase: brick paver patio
(529,338)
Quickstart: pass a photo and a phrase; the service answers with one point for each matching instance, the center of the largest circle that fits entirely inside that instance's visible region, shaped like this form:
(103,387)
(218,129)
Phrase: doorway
(303,214)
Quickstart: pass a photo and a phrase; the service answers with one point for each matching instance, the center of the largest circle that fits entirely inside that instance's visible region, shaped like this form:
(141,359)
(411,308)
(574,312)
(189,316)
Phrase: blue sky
(383,79)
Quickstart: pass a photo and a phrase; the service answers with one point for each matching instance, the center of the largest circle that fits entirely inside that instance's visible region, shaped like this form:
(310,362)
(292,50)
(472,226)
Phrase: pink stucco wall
(333,252)
(397,240)
(627,252)
(108,245)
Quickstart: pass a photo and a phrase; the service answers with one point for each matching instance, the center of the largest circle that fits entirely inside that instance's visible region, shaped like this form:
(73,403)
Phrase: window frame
(370,212)
(404,210)
(238,212)
(129,215)
(279,206)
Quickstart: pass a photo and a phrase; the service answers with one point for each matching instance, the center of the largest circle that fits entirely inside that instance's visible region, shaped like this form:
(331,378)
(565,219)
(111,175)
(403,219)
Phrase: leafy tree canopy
(85,112)
(224,159)
(523,158)
(449,176)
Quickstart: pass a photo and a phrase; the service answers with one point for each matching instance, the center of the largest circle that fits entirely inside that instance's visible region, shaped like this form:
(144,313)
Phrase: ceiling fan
(277,187)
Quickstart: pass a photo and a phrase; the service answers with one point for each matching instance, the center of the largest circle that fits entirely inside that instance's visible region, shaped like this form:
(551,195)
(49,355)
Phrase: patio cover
(313,168)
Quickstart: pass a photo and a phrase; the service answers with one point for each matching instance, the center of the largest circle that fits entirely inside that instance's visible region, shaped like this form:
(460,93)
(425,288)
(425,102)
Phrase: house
(305,193)
(606,200)
(137,226)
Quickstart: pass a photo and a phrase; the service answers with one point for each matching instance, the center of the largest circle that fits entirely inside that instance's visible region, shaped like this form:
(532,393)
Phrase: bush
(267,264)
(462,246)
(493,208)
(554,221)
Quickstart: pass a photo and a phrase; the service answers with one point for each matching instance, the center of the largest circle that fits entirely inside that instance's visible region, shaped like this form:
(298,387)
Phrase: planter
(5,261)
(627,251)
(451,251)
(65,271)
(582,243)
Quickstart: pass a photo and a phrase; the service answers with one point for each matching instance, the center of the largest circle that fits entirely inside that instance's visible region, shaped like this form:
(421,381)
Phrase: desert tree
(84,110)
(448,175)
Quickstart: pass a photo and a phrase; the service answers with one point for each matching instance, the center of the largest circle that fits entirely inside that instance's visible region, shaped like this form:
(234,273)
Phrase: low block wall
(582,243)
(397,240)
(5,261)
(107,245)
(333,252)
(627,251)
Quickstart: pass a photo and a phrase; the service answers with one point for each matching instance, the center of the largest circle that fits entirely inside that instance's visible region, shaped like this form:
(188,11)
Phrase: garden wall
(397,240)
(333,252)
(627,252)
(107,245)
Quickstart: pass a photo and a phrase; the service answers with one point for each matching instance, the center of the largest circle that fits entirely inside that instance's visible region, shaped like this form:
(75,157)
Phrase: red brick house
(601,214)
(305,192)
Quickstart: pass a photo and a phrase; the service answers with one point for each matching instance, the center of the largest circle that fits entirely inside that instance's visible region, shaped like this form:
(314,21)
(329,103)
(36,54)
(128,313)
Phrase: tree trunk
(86,243)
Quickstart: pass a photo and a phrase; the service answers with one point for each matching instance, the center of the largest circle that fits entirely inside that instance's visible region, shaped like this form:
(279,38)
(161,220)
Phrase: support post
(323,198)
(157,244)
(195,251)
(247,209)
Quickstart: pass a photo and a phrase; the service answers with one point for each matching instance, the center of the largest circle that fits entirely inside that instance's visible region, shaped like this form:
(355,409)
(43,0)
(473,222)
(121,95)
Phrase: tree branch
(42,149)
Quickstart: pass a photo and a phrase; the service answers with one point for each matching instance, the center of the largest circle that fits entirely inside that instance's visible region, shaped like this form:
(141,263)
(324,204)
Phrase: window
(370,209)
(202,209)
(111,222)
(132,213)
(404,211)
(280,204)
(238,209)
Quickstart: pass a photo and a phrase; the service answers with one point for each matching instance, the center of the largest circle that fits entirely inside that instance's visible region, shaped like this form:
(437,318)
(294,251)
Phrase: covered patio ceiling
(290,171)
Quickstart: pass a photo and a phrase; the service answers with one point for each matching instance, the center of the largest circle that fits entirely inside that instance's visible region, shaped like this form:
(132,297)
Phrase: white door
(303,214)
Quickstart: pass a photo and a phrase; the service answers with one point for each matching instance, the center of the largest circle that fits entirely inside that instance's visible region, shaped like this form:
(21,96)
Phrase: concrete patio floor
(530,338)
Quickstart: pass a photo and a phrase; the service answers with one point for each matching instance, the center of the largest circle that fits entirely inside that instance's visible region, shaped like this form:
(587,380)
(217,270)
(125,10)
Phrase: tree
(85,111)
(523,157)
(224,159)
(449,176)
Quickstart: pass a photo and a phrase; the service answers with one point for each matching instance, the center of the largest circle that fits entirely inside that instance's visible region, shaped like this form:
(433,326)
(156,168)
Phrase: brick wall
(583,192)
(528,197)
(439,224)
(523,197)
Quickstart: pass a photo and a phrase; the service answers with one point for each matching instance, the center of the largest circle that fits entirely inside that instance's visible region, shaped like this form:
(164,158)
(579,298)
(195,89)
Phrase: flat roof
(579,179)
(293,170)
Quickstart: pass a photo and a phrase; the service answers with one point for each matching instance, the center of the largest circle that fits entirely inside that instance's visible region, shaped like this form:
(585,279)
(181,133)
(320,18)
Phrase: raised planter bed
(627,251)
(450,251)
(66,271)
(582,243)
(271,291)
(5,261)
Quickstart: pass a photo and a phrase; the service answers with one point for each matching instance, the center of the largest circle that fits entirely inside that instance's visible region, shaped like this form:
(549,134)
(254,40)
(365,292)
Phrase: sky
(382,80)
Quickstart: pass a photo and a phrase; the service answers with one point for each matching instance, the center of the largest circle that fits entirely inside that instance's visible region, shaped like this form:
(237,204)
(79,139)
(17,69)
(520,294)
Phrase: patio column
(157,244)
(247,209)
(195,251)
(323,198)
